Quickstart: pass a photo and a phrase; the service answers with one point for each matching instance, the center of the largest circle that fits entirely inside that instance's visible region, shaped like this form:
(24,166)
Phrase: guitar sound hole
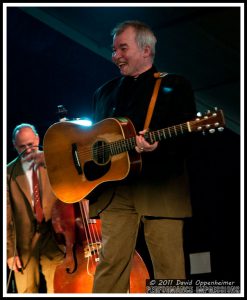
(101,152)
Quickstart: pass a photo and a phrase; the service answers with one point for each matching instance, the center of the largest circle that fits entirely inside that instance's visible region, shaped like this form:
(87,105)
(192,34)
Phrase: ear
(147,51)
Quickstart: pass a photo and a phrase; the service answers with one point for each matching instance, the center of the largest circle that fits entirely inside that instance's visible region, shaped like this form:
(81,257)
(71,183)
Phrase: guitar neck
(209,122)
(151,136)
(166,133)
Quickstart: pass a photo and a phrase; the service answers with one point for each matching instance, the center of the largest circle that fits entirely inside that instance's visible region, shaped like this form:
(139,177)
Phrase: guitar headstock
(210,121)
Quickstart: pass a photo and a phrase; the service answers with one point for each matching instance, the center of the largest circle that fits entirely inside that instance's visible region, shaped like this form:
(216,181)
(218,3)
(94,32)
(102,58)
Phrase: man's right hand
(14,263)
(37,158)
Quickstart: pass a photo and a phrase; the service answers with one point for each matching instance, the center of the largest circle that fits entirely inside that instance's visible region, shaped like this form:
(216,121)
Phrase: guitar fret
(164,133)
(113,148)
(119,147)
(152,134)
(169,131)
(159,135)
(181,128)
(175,130)
(123,144)
(133,143)
(129,144)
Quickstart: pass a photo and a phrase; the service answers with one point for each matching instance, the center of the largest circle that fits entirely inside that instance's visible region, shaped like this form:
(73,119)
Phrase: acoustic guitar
(79,158)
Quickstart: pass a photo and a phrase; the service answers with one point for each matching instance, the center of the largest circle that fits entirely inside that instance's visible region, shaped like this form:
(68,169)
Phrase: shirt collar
(145,74)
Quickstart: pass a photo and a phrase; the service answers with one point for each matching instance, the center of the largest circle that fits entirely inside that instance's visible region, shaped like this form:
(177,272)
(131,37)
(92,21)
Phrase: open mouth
(121,65)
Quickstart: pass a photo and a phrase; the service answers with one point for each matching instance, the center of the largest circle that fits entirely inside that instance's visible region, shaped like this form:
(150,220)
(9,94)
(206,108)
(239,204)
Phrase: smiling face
(128,56)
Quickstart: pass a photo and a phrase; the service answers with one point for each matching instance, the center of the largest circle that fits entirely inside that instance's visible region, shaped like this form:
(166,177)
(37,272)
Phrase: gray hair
(19,127)
(144,35)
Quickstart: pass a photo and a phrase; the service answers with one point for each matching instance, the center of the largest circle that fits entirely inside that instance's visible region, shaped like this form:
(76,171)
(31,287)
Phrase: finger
(139,140)
(142,132)
(138,149)
(18,262)
(12,265)
(152,146)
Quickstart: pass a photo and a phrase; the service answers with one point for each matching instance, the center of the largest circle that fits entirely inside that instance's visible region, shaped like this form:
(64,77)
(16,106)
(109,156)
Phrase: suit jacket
(162,187)
(21,224)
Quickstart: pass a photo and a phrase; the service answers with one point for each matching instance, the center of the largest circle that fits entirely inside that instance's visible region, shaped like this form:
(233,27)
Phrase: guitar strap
(159,76)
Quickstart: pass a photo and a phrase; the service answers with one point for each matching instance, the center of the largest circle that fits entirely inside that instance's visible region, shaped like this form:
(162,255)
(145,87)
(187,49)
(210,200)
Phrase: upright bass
(82,240)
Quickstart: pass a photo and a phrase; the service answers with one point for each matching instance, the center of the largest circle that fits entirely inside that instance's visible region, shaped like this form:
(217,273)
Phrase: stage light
(82,121)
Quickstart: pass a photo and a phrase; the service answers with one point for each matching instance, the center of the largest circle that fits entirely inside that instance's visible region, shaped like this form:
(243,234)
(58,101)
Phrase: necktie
(36,197)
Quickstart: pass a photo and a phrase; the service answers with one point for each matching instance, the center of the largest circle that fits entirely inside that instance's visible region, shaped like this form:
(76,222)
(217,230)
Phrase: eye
(124,48)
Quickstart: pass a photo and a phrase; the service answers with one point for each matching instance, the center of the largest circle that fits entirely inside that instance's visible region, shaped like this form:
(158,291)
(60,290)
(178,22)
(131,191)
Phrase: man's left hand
(142,145)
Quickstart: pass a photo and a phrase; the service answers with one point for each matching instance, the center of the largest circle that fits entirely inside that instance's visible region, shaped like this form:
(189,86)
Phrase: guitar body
(79,158)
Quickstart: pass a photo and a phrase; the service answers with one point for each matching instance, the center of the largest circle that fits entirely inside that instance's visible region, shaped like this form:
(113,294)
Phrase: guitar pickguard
(95,171)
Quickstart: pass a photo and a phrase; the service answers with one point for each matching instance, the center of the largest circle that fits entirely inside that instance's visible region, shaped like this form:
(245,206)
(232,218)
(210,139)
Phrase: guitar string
(87,151)
(87,233)
(93,228)
(90,234)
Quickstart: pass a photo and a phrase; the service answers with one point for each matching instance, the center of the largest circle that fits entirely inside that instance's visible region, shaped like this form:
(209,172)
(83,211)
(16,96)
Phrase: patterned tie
(36,197)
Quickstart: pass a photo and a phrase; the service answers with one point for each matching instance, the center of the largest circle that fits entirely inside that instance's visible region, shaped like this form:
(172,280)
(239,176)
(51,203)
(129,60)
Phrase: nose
(28,149)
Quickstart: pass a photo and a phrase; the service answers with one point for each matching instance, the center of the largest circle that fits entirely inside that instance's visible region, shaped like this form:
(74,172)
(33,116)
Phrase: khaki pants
(120,223)
(45,255)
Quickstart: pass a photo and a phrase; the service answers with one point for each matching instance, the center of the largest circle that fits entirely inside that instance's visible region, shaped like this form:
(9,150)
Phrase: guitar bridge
(76,160)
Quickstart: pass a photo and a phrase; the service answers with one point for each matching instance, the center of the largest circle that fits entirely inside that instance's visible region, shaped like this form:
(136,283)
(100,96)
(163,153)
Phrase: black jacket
(163,172)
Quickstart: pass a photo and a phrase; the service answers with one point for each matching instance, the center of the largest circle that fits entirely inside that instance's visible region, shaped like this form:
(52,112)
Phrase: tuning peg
(212,130)
(216,108)
(199,114)
(220,129)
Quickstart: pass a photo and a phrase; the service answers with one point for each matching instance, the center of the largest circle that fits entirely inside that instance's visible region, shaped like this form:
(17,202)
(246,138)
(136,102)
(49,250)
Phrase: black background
(45,69)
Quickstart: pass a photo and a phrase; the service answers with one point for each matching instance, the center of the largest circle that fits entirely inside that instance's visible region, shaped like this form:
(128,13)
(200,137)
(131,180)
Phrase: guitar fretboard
(152,136)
